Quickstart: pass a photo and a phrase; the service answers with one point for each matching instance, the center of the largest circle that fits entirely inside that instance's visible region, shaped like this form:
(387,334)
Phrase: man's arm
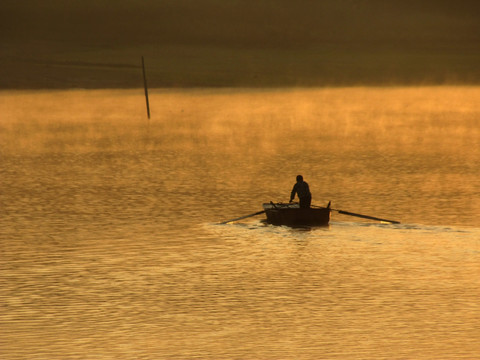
(294,190)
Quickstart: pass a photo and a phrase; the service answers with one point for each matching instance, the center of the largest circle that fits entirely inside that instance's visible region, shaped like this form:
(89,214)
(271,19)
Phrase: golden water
(110,248)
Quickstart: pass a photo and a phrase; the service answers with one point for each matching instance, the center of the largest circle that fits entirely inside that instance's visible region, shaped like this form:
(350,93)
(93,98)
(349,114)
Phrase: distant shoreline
(212,43)
(48,66)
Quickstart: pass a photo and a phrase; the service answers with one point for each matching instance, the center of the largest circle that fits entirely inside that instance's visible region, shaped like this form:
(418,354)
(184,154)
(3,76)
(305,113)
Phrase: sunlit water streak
(111,248)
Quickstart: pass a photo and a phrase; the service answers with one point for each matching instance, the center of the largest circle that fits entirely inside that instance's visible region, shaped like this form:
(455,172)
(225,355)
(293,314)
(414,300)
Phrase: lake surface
(111,249)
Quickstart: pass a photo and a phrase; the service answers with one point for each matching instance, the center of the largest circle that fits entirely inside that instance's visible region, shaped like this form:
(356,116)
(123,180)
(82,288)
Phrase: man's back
(302,189)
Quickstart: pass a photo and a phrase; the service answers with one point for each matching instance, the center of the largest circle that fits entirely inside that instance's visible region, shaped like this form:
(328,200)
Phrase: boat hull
(293,215)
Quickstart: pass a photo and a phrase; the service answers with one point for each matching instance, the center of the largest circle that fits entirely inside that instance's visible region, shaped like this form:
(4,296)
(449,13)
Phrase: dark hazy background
(96,44)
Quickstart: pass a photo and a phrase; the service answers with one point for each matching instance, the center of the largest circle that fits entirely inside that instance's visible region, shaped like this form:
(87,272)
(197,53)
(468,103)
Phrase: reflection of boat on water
(293,215)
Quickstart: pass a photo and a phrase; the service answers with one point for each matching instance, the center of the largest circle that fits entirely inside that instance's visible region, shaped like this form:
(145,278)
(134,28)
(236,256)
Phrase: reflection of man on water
(303,191)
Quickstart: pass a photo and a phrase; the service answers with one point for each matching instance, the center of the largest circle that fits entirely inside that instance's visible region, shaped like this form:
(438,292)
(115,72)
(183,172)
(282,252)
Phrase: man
(303,191)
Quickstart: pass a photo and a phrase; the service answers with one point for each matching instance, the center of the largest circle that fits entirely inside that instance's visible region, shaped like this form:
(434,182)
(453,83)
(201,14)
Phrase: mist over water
(110,247)
(371,148)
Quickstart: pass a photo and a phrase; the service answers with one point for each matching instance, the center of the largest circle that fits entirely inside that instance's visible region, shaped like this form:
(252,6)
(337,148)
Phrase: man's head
(299,178)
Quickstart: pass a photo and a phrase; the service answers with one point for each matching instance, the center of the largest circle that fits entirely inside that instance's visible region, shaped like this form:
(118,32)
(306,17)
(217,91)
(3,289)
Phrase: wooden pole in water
(145,86)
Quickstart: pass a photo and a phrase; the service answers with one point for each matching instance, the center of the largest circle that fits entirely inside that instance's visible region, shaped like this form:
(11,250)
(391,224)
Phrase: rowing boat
(293,215)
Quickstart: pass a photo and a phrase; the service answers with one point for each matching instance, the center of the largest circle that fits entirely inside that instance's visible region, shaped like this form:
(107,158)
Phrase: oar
(365,216)
(358,215)
(242,217)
